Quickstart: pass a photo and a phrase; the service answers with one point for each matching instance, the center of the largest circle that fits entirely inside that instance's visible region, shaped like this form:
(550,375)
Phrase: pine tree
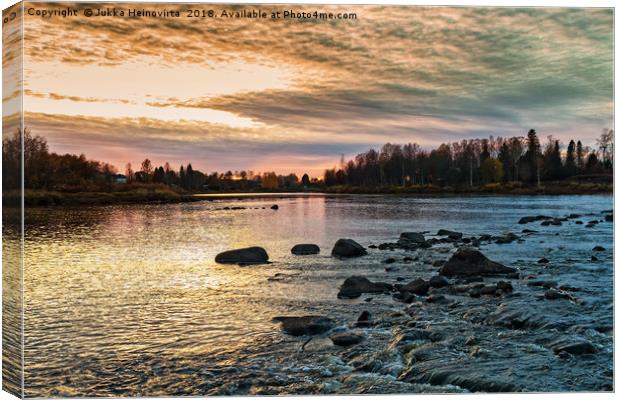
(580,156)
(570,165)
(533,156)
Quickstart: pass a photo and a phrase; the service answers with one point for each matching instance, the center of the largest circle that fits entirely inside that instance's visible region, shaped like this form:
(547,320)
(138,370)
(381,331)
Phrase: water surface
(127,300)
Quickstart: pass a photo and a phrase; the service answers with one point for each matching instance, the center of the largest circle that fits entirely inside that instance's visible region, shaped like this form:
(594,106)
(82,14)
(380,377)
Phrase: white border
(513,3)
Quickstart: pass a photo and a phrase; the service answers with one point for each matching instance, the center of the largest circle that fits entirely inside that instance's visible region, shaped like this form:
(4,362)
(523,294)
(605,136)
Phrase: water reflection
(127,300)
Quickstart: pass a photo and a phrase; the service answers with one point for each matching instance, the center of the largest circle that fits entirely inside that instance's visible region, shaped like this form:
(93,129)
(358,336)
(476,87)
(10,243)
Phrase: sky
(293,95)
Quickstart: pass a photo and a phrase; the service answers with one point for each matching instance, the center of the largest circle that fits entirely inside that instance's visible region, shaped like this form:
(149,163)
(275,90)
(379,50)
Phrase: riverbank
(556,188)
(164,194)
(135,196)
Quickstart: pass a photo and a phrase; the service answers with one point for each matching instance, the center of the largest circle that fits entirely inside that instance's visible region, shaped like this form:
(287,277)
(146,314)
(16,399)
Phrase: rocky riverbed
(434,294)
(466,323)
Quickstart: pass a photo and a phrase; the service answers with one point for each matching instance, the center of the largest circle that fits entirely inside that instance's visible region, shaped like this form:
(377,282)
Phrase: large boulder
(248,255)
(305,249)
(471,262)
(451,234)
(418,286)
(414,237)
(348,248)
(356,285)
(306,325)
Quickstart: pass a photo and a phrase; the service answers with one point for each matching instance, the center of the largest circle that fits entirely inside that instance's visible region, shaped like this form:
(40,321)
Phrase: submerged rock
(346,338)
(527,220)
(414,237)
(274,207)
(363,321)
(356,285)
(468,262)
(305,249)
(418,286)
(554,294)
(451,234)
(438,281)
(248,255)
(576,347)
(305,325)
(348,248)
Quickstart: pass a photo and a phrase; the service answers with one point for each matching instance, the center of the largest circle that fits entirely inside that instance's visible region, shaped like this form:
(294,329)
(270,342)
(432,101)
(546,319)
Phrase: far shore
(155,195)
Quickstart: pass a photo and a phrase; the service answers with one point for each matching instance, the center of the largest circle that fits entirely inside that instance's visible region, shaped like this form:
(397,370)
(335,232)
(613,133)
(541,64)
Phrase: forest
(475,162)
(468,163)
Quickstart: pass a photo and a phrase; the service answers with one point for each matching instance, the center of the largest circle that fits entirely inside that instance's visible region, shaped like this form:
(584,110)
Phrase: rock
(489,290)
(248,255)
(577,347)
(404,297)
(436,298)
(356,285)
(346,338)
(579,222)
(373,246)
(305,249)
(590,225)
(507,238)
(609,218)
(568,288)
(274,207)
(348,248)
(389,261)
(598,248)
(414,237)
(543,261)
(594,258)
(553,294)
(529,231)
(363,321)
(438,281)
(438,263)
(554,221)
(306,325)
(451,234)
(527,220)
(418,286)
(471,262)
(407,259)
(505,287)
(544,284)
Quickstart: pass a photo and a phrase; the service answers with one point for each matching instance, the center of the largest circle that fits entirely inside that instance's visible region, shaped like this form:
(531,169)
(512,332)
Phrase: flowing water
(127,300)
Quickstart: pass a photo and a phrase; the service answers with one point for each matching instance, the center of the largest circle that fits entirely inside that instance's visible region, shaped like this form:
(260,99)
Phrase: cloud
(397,74)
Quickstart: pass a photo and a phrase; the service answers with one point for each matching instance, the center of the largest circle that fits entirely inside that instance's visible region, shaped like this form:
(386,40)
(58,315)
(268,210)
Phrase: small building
(120,178)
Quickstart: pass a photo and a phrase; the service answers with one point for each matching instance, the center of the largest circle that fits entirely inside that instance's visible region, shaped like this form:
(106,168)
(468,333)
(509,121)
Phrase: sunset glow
(241,93)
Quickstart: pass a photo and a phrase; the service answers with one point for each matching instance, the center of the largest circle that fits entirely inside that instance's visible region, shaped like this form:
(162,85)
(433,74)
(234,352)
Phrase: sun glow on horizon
(148,89)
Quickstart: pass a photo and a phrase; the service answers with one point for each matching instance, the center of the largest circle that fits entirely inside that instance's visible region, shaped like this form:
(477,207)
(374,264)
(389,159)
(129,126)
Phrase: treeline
(475,162)
(469,162)
(191,179)
(70,173)
(50,171)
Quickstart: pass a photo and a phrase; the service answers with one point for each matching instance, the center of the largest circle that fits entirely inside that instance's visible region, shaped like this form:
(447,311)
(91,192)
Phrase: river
(127,300)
